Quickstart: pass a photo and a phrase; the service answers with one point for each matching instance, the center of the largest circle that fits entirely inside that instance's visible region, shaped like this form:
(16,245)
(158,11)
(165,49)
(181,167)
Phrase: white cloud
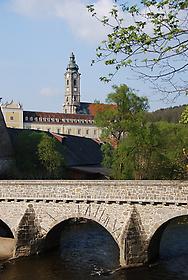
(73,12)
(49,92)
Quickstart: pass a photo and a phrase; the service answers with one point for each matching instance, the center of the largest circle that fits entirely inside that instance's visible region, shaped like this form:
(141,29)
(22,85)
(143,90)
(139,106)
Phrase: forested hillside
(171,114)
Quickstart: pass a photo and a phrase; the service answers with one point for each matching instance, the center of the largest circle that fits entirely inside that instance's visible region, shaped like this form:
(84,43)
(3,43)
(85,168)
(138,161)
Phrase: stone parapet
(141,192)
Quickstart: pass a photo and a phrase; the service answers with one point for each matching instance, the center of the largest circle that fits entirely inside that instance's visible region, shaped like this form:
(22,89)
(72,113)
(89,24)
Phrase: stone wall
(131,211)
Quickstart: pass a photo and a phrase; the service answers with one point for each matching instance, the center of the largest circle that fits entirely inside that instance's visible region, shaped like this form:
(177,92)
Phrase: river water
(88,253)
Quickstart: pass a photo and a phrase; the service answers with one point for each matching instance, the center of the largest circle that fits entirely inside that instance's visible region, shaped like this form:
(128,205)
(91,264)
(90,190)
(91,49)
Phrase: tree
(25,148)
(184,116)
(142,149)
(115,121)
(151,39)
(139,156)
(175,148)
(147,153)
(107,151)
(38,155)
(50,156)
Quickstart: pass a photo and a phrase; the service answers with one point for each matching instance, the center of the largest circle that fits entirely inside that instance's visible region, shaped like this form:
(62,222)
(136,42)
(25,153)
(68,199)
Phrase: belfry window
(67,82)
(74,82)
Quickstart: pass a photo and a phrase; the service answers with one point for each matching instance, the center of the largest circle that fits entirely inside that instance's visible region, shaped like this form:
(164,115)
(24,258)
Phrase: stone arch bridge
(135,213)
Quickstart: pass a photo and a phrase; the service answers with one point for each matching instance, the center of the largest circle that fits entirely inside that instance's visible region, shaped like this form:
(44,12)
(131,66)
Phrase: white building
(76,119)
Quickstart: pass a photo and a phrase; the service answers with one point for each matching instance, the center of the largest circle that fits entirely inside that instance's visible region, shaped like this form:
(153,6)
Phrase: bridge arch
(5,230)
(7,241)
(155,240)
(53,237)
(58,227)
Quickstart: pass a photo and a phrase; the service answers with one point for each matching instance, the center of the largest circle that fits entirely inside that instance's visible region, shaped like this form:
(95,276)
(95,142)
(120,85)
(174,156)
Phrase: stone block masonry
(131,211)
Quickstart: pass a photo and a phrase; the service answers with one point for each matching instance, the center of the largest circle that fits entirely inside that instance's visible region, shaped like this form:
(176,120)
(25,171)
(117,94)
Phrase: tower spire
(72,87)
(72,63)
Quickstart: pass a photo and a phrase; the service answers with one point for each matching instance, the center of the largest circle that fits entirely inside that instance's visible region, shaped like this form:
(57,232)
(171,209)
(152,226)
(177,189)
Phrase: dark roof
(84,108)
(93,169)
(57,115)
(80,151)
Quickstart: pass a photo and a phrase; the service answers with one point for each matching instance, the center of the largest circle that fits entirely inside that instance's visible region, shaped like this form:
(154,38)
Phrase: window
(87,131)
(58,131)
(74,82)
(95,132)
(11,118)
(79,131)
(31,119)
(26,118)
(69,131)
(67,82)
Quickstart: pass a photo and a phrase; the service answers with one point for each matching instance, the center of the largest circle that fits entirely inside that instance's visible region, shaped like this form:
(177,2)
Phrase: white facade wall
(83,130)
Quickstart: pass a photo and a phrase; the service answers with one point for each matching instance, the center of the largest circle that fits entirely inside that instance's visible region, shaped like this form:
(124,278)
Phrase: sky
(36,40)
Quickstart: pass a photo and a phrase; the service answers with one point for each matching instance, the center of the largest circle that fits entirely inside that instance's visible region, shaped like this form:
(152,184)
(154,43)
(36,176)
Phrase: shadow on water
(87,250)
(88,244)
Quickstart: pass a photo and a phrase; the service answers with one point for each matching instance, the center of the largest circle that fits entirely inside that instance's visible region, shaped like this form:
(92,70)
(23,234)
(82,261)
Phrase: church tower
(72,87)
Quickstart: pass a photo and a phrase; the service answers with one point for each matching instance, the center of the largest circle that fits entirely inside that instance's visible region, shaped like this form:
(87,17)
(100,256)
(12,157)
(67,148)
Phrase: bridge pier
(29,236)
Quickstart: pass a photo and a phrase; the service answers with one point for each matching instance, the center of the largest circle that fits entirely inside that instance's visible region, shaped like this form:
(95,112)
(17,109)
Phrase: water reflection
(87,251)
